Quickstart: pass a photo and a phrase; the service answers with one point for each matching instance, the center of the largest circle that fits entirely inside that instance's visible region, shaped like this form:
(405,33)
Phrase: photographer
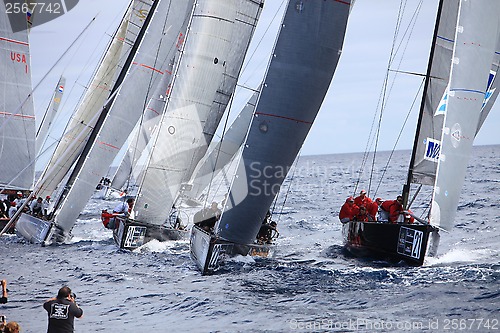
(62,311)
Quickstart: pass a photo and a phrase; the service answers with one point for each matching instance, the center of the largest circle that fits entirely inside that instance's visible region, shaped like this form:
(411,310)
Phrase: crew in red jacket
(394,208)
(362,199)
(348,211)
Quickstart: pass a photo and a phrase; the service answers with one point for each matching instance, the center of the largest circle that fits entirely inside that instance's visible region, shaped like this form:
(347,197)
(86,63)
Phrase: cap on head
(379,200)
(362,192)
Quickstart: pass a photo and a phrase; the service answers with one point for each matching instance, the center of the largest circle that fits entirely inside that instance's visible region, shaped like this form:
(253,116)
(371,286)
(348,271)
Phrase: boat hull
(33,229)
(131,234)
(209,252)
(407,242)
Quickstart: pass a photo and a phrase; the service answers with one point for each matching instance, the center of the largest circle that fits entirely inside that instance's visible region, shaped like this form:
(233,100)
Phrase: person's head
(12,327)
(47,198)
(215,205)
(350,200)
(379,201)
(64,292)
(399,199)
(273,224)
(39,199)
(362,210)
(130,202)
(19,194)
(362,193)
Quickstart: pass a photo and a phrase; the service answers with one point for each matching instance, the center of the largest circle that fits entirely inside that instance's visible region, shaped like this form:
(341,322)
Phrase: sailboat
(107,121)
(210,60)
(459,91)
(17,118)
(298,76)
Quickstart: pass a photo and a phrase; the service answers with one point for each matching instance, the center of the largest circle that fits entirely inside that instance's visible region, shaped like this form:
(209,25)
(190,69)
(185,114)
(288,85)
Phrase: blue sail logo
(432,150)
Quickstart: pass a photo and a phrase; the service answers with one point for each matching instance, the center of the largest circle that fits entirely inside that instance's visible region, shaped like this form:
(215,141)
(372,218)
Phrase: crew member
(394,208)
(362,199)
(348,210)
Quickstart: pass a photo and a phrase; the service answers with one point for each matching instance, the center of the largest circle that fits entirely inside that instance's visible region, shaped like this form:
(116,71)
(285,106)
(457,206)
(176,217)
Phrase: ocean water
(309,285)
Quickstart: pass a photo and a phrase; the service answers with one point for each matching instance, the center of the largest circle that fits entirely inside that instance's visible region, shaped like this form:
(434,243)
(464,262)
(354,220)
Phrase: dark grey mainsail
(301,69)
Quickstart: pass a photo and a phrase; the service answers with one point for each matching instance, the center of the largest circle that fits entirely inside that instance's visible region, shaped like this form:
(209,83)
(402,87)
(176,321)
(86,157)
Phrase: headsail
(302,66)
(17,118)
(476,40)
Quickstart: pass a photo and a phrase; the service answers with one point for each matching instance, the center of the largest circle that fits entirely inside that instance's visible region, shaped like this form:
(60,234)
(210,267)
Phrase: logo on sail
(489,91)
(441,109)
(432,149)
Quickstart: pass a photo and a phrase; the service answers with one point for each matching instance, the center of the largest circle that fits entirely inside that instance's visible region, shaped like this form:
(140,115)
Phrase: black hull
(209,252)
(407,242)
(131,234)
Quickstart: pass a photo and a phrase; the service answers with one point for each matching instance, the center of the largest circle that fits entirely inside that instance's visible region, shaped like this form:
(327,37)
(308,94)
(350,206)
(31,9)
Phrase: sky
(346,116)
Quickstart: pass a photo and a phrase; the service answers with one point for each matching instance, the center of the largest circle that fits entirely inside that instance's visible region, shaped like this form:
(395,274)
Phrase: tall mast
(406,187)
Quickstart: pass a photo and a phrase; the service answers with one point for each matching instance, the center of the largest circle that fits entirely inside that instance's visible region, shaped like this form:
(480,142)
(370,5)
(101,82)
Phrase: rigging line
(370,140)
(218,150)
(399,135)
(261,40)
(384,93)
(289,187)
(47,74)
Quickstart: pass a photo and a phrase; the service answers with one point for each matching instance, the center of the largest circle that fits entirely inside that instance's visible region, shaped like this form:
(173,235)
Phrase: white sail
(140,136)
(221,153)
(17,119)
(50,113)
(299,74)
(158,46)
(83,120)
(202,67)
(247,15)
(475,45)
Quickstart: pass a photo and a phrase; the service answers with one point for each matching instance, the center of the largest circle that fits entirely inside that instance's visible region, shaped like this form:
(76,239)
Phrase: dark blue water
(309,285)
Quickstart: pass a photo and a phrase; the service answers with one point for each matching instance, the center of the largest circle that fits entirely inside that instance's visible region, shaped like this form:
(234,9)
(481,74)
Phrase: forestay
(476,40)
(17,119)
(302,66)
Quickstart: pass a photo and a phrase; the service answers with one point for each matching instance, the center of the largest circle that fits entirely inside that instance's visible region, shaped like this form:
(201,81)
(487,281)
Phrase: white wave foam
(458,255)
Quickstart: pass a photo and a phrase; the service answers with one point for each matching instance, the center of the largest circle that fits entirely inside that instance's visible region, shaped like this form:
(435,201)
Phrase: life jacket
(106,217)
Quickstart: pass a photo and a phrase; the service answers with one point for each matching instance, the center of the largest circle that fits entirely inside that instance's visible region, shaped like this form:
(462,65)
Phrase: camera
(73,295)
(3,319)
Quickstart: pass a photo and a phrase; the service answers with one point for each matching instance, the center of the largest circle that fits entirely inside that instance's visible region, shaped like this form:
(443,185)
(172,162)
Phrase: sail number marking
(410,242)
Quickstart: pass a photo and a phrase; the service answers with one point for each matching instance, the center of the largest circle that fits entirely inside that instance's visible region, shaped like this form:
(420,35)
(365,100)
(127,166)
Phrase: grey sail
(17,118)
(475,46)
(221,153)
(301,69)
(435,96)
(202,68)
(247,15)
(85,116)
(493,88)
(50,113)
(141,135)
(147,66)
